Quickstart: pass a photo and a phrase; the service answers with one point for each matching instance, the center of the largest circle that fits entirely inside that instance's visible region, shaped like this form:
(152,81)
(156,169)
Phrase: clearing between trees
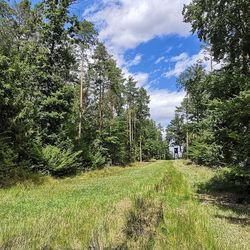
(152,205)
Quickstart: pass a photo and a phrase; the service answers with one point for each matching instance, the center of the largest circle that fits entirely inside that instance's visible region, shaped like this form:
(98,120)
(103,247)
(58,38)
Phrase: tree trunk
(130,127)
(187,135)
(81,103)
(100,107)
(140,151)
(134,127)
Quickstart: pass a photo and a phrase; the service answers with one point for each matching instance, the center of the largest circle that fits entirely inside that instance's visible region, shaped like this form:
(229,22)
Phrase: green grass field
(148,206)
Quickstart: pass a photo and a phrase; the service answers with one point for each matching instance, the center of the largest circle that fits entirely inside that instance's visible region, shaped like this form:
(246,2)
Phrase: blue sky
(156,58)
(150,41)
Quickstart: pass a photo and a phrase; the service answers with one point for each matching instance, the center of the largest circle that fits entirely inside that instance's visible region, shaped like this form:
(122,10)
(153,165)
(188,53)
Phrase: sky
(150,41)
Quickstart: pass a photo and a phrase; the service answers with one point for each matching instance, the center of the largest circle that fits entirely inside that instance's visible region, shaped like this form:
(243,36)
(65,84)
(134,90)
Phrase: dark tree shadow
(228,193)
(235,220)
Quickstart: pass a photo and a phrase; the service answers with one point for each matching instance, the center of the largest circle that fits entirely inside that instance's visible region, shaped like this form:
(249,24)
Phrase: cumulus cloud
(163,103)
(126,23)
(183,61)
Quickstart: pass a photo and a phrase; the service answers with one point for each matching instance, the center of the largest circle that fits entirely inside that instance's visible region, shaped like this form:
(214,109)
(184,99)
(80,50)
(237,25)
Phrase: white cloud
(159,59)
(142,79)
(126,23)
(90,10)
(163,103)
(135,61)
(181,57)
(183,61)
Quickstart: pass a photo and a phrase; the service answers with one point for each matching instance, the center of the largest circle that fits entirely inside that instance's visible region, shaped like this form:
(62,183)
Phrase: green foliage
(234,129)
(98,153)
(205,154)
(216,137)
(62,108)
(215,112)
(225,26)
(175,133)
(60,162)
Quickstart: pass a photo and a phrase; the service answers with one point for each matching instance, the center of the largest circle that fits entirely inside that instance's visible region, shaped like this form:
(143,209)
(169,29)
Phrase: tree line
(213,121)
(65,105)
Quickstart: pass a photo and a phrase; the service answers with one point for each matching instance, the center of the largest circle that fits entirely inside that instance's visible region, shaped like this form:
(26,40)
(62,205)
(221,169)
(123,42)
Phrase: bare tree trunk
(100,107)
(130,127)
(140,151)
(187,133)
(111,106)
(81,102)
(134,124)
(211,62)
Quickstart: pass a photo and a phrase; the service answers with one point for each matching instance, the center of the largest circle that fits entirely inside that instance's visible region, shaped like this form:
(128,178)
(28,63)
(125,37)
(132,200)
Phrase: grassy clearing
(169,216)
(152,206)
(229,220)
(65,213)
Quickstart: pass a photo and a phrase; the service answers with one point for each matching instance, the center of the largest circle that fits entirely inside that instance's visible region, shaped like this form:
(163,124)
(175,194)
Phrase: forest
(213,121)
(82,163)
(65,105)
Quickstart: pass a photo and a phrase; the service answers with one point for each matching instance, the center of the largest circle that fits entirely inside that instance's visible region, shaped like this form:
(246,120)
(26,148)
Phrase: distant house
(176,151)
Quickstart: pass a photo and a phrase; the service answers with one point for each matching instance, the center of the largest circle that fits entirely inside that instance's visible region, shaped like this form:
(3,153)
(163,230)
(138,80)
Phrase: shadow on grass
(235,220)
(14,175)
(236,184)
(229,193)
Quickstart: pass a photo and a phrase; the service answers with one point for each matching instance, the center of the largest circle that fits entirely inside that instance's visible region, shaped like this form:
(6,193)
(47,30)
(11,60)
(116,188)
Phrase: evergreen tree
(64,103)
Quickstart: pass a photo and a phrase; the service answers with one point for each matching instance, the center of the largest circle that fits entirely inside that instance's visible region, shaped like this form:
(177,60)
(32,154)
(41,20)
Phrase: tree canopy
(216,107)
(65,105)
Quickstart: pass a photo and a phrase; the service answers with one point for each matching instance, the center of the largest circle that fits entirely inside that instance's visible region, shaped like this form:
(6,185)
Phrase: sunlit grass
(148,206)
(64,213)
(220,224)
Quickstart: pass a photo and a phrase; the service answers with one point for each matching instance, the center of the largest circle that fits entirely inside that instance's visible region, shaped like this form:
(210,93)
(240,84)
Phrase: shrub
(60,162)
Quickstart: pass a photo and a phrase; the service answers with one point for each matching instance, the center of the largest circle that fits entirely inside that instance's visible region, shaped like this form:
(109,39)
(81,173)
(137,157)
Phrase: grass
(65,213)
(149,206)
(229,221)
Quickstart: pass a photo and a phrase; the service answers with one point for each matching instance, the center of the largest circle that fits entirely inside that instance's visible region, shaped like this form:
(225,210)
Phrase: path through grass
(150,206)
